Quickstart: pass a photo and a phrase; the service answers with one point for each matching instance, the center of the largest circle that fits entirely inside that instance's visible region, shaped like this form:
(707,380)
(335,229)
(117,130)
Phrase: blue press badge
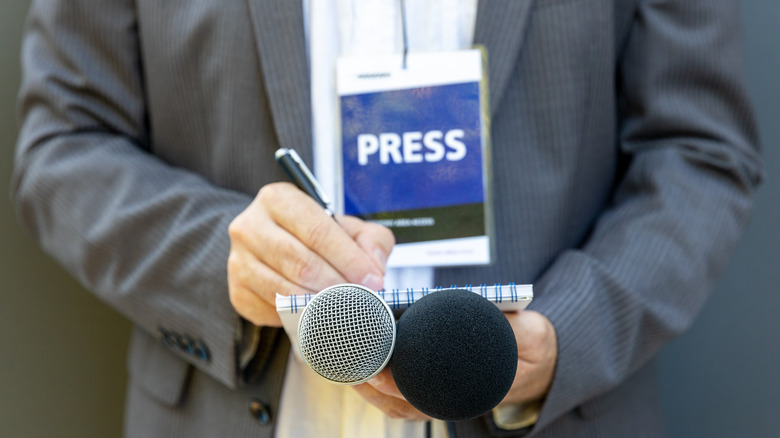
(414,154)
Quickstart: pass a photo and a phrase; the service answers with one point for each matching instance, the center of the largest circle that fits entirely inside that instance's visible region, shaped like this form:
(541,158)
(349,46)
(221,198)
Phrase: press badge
(414,153)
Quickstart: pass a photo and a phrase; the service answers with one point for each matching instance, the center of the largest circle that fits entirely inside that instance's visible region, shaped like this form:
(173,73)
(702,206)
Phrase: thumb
(533,332)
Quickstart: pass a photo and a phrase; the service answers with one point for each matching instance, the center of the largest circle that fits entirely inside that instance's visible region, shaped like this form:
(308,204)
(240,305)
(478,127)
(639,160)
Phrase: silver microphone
(346,334)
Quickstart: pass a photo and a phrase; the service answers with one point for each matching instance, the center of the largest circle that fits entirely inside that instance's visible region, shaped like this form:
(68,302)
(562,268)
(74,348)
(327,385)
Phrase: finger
(247,271)
(384,383)
(255,232)
(306,220)
(376,240)
(253,287)
(391,406)
(257,311)
(292,260)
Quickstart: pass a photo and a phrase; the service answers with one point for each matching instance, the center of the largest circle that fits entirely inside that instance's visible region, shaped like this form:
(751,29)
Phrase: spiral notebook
(507,297)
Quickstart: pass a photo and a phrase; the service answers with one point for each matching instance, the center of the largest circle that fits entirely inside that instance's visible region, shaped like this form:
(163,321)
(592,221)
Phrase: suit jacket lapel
(281,46)
(500,27)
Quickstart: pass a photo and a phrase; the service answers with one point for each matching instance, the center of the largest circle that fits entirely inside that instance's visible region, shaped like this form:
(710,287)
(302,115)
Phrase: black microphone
(453,354)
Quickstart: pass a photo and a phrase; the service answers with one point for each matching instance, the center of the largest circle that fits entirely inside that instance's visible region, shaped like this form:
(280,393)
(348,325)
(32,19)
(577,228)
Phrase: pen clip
(306,172)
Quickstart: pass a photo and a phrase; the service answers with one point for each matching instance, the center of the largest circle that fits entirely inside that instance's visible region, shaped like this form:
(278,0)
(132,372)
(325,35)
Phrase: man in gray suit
(624,159)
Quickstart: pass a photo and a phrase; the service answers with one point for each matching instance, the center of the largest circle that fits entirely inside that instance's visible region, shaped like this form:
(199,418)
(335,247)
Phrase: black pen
(302,177)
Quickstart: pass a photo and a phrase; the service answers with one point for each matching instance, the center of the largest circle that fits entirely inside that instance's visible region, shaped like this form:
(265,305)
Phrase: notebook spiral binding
(507,296)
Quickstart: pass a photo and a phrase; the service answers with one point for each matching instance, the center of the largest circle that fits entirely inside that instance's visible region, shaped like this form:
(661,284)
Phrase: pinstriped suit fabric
(624,162)
(641,235)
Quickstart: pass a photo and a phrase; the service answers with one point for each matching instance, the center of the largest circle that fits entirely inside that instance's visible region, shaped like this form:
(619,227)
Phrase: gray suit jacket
(624,158)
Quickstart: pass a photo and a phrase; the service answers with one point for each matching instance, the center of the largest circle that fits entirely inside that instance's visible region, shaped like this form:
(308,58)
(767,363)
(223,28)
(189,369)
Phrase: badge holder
(415,155)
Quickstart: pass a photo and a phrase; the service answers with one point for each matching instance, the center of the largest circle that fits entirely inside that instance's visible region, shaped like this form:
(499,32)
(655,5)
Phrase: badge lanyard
(404,33)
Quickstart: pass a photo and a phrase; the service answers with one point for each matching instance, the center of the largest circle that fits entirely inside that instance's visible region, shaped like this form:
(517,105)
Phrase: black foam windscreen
(455,355)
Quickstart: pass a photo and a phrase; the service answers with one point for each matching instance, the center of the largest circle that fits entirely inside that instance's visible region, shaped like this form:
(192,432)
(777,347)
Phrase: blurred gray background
(62,352)
(62,370)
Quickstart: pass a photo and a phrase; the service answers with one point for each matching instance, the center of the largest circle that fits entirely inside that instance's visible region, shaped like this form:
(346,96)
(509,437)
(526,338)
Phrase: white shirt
(311,406)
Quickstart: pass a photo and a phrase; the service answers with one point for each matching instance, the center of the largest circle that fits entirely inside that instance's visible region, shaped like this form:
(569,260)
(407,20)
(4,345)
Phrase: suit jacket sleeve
(148,238)
(691,165)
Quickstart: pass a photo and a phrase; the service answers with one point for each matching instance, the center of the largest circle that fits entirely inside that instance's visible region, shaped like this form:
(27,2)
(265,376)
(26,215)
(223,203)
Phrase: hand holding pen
(283,243)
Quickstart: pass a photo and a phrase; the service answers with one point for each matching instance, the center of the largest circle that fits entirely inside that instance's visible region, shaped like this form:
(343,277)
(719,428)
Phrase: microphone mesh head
(346,334)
